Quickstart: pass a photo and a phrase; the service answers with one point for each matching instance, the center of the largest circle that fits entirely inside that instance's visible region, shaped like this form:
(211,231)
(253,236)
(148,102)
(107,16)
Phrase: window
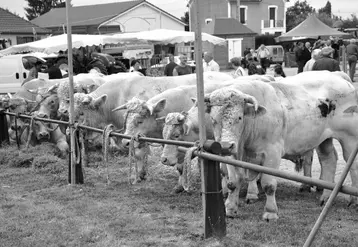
(272,15)
(22,40)
(243,14)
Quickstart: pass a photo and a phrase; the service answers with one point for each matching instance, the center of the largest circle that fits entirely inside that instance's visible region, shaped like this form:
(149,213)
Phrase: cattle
(283,120)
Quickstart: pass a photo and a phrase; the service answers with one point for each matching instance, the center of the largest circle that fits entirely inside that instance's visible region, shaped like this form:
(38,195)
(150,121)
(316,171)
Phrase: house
(15,30)
(238,21)
(129,16)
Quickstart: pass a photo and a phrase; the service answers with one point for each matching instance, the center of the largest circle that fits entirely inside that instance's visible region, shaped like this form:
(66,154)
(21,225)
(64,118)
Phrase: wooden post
(344,59)
(4,134)
(214,218)
(215,224)
(70,76)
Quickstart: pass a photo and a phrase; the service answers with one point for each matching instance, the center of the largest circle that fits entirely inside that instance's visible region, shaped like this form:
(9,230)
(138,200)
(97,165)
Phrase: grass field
(39,208)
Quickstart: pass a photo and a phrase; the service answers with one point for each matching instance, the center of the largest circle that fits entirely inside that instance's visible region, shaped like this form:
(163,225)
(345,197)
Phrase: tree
(39,7)
(326,9)
(297,14)
(186,20)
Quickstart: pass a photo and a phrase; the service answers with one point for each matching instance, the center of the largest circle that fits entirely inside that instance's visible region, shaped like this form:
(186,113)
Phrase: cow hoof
(250,199)
(319,189)
(267,216)
(324,198)
(353,202)
(305,188)
(178,189)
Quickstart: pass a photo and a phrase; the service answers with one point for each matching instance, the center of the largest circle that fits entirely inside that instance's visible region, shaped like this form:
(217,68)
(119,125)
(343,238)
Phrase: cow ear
(186,128)
(195,102)
(249,110)
(158,107)
(53,89)
(351,109)
(122,107)
(99,101)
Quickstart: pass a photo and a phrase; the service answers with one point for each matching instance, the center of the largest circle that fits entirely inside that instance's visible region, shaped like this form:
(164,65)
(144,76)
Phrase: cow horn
(252,100)
(10,96)
(122,107)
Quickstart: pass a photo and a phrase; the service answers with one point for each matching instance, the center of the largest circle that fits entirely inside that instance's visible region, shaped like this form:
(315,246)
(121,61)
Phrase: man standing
(300,57)
(263,54)
(352,55)
(34,72)
(168,71)
(326,62)
(182,68)
(209,63)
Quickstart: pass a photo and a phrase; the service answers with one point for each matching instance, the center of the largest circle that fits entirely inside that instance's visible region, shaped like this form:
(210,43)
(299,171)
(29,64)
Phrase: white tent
(57,43)
(166,36)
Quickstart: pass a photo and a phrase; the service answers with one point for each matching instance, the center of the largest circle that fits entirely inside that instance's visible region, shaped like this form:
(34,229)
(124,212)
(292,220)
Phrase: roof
(228,26)
(312,27)
(11,23)
(90,14)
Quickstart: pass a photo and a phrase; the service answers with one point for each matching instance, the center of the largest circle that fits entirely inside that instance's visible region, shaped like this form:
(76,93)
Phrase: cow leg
(307,160)
(236,177)
(348,144)
(328,157)
(252,191)
(269,183)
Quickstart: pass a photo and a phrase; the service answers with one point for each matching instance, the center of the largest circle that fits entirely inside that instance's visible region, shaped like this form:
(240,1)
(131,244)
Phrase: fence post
(4,134)
(78,161)
(215,224)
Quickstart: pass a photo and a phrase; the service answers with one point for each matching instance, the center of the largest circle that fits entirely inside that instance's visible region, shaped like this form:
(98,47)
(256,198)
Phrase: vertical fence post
(344,59)
(4,134)
(215,224)
(78,174)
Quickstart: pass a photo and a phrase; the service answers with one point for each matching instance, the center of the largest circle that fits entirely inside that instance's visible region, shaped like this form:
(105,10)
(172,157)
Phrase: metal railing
(211,154)
(272,23)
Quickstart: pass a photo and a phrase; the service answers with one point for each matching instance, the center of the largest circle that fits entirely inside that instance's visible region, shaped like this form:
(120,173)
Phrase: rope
(187,171)
(106,133)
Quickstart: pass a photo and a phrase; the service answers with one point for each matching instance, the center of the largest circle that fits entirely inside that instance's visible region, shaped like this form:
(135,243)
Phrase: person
(263,54)
(335,46)
(239,70)
(54,72)
(209,63)
(34,72)
(300,56)
(314,56)
(168,71)
(182,68)
(135,66)
(254,68)
(278,72)
(352,56)
(326,62)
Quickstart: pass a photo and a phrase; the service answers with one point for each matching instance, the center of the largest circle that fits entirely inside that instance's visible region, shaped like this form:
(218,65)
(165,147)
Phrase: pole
(70,76)
(210,214)
(333,195)
(4,134)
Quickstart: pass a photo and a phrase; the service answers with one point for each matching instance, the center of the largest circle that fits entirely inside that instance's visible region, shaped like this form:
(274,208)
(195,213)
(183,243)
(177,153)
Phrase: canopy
(166,36)
(310,28)
(57,43)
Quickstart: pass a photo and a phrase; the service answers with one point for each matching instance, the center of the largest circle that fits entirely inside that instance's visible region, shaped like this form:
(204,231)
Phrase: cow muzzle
(43,136)
(165,161)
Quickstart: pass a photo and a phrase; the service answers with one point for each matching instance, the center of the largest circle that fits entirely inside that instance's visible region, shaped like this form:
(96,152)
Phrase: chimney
(235,9)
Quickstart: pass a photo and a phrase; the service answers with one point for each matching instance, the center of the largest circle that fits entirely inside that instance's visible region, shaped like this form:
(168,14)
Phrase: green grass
(39,208)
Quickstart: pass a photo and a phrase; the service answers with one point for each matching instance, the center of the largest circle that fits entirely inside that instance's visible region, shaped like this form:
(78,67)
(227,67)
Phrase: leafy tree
(185,19)
(39,7)
(297,14)
(350,22)
(326,19)
(326,9)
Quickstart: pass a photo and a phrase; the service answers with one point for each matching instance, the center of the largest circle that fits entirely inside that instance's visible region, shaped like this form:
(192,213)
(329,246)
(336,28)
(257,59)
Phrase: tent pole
(70,76)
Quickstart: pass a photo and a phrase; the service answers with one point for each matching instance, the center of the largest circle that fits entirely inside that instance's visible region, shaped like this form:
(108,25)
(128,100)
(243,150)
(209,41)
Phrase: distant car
(15,69)
(277,54)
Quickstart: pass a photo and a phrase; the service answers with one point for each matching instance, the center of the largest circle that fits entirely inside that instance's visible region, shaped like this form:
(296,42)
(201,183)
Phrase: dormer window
(208,20)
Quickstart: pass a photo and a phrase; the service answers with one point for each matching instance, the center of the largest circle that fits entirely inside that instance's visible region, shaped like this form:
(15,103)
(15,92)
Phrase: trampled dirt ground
(39,208)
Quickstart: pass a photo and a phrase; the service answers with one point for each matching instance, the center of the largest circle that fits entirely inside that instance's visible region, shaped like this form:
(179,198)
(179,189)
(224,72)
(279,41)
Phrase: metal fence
(211,153)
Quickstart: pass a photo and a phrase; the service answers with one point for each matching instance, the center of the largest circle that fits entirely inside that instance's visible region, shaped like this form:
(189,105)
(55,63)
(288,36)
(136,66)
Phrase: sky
(177,8)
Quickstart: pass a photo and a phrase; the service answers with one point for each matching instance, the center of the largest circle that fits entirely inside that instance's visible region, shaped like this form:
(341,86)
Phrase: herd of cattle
(264,120)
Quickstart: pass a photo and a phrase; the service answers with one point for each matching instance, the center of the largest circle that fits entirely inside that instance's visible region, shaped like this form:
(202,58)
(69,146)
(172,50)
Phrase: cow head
(87,108)
(48,102)
(141,117)
(41,130)
(173,130)
(63,93)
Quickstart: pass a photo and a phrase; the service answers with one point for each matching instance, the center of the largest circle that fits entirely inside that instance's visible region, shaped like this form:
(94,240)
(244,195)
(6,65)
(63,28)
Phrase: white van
(277,53)
(14,69)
